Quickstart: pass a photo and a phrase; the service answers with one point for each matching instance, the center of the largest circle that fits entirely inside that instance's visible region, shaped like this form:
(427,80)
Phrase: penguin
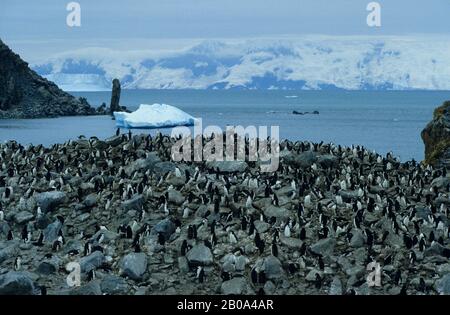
(302,235)
(318,281)
(17,263)
(254,276)
(40,241)
(184,248)
(200,274)
(91,275)
(274,249)
(10,235)
(232,237)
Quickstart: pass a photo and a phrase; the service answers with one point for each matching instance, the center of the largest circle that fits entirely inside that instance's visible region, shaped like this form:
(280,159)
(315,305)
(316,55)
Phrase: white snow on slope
(154,116)
(309,62)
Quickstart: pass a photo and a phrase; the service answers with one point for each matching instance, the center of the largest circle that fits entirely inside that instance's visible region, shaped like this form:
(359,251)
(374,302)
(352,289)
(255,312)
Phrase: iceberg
(154,116)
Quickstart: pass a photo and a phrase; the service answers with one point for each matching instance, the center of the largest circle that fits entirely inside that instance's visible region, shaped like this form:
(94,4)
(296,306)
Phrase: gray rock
(357,239)
(162,168)
(443,285)
(176,197)
(16,283)
(293,243)
(302,160)
(92,261)
(327,160)
(51,231)
(48,201)
(277,212)
(227,166)
(241,263)
(144,164)
(335,287)
(324,247)
(43,221)
(435,250)
(114,141)
(49,266)
(348,195)
(235,286)
(166,227)
(108,236)
(200,255)
(8,252)
(356,271)
(134,203)
(92,288)
(229,263)
(311,276)
(261,226)
(183,264)
(273,268)
(269,287)
(23,217)
(90,200)
(134,265)
(440,182)
(114,285)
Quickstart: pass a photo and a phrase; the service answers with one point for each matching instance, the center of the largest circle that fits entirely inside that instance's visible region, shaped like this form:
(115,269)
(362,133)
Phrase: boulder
(114,285)
(134,203)
(443,285)
(324,247)
(23,217)
(235,286)
(227,166)
(49,200)
(134,265)
(8,252)
(200,255)
(302,160)
(51,231)
(165,227)
(92,261)
(16,283)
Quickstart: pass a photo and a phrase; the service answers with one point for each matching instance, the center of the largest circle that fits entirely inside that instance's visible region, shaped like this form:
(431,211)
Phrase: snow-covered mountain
(310,62)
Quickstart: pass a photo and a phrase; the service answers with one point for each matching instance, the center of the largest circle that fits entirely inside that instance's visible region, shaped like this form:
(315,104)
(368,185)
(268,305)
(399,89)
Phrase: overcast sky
(39,27)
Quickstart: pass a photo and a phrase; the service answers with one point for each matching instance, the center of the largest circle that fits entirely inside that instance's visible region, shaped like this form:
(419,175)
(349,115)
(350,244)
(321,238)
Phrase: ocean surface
(383,121)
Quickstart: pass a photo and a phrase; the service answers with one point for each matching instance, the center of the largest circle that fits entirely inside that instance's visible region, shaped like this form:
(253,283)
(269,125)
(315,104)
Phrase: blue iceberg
(154,116)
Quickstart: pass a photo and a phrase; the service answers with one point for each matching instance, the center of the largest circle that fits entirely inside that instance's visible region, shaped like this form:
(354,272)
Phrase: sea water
(383,121)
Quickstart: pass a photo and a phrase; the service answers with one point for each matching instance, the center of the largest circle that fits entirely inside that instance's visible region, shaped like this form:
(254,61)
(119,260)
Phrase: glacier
(302,63)
(153,116)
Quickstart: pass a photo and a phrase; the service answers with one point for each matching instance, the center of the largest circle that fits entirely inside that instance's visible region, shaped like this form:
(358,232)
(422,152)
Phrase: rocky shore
(25,94)
(137,223)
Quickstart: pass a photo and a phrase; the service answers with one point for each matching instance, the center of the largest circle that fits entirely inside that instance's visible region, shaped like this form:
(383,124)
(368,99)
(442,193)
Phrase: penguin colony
(312,227)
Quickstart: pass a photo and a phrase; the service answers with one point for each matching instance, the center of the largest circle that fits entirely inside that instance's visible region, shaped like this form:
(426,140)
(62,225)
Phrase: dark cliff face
(436,137)
(25,94)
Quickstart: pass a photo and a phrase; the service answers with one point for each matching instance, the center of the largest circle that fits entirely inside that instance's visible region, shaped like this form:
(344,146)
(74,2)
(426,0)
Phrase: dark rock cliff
(436,137)
(25,94)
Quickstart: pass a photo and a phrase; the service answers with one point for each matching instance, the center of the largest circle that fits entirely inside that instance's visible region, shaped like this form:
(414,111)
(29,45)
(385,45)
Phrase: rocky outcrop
(25,94)
(436,137)
(115,97)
